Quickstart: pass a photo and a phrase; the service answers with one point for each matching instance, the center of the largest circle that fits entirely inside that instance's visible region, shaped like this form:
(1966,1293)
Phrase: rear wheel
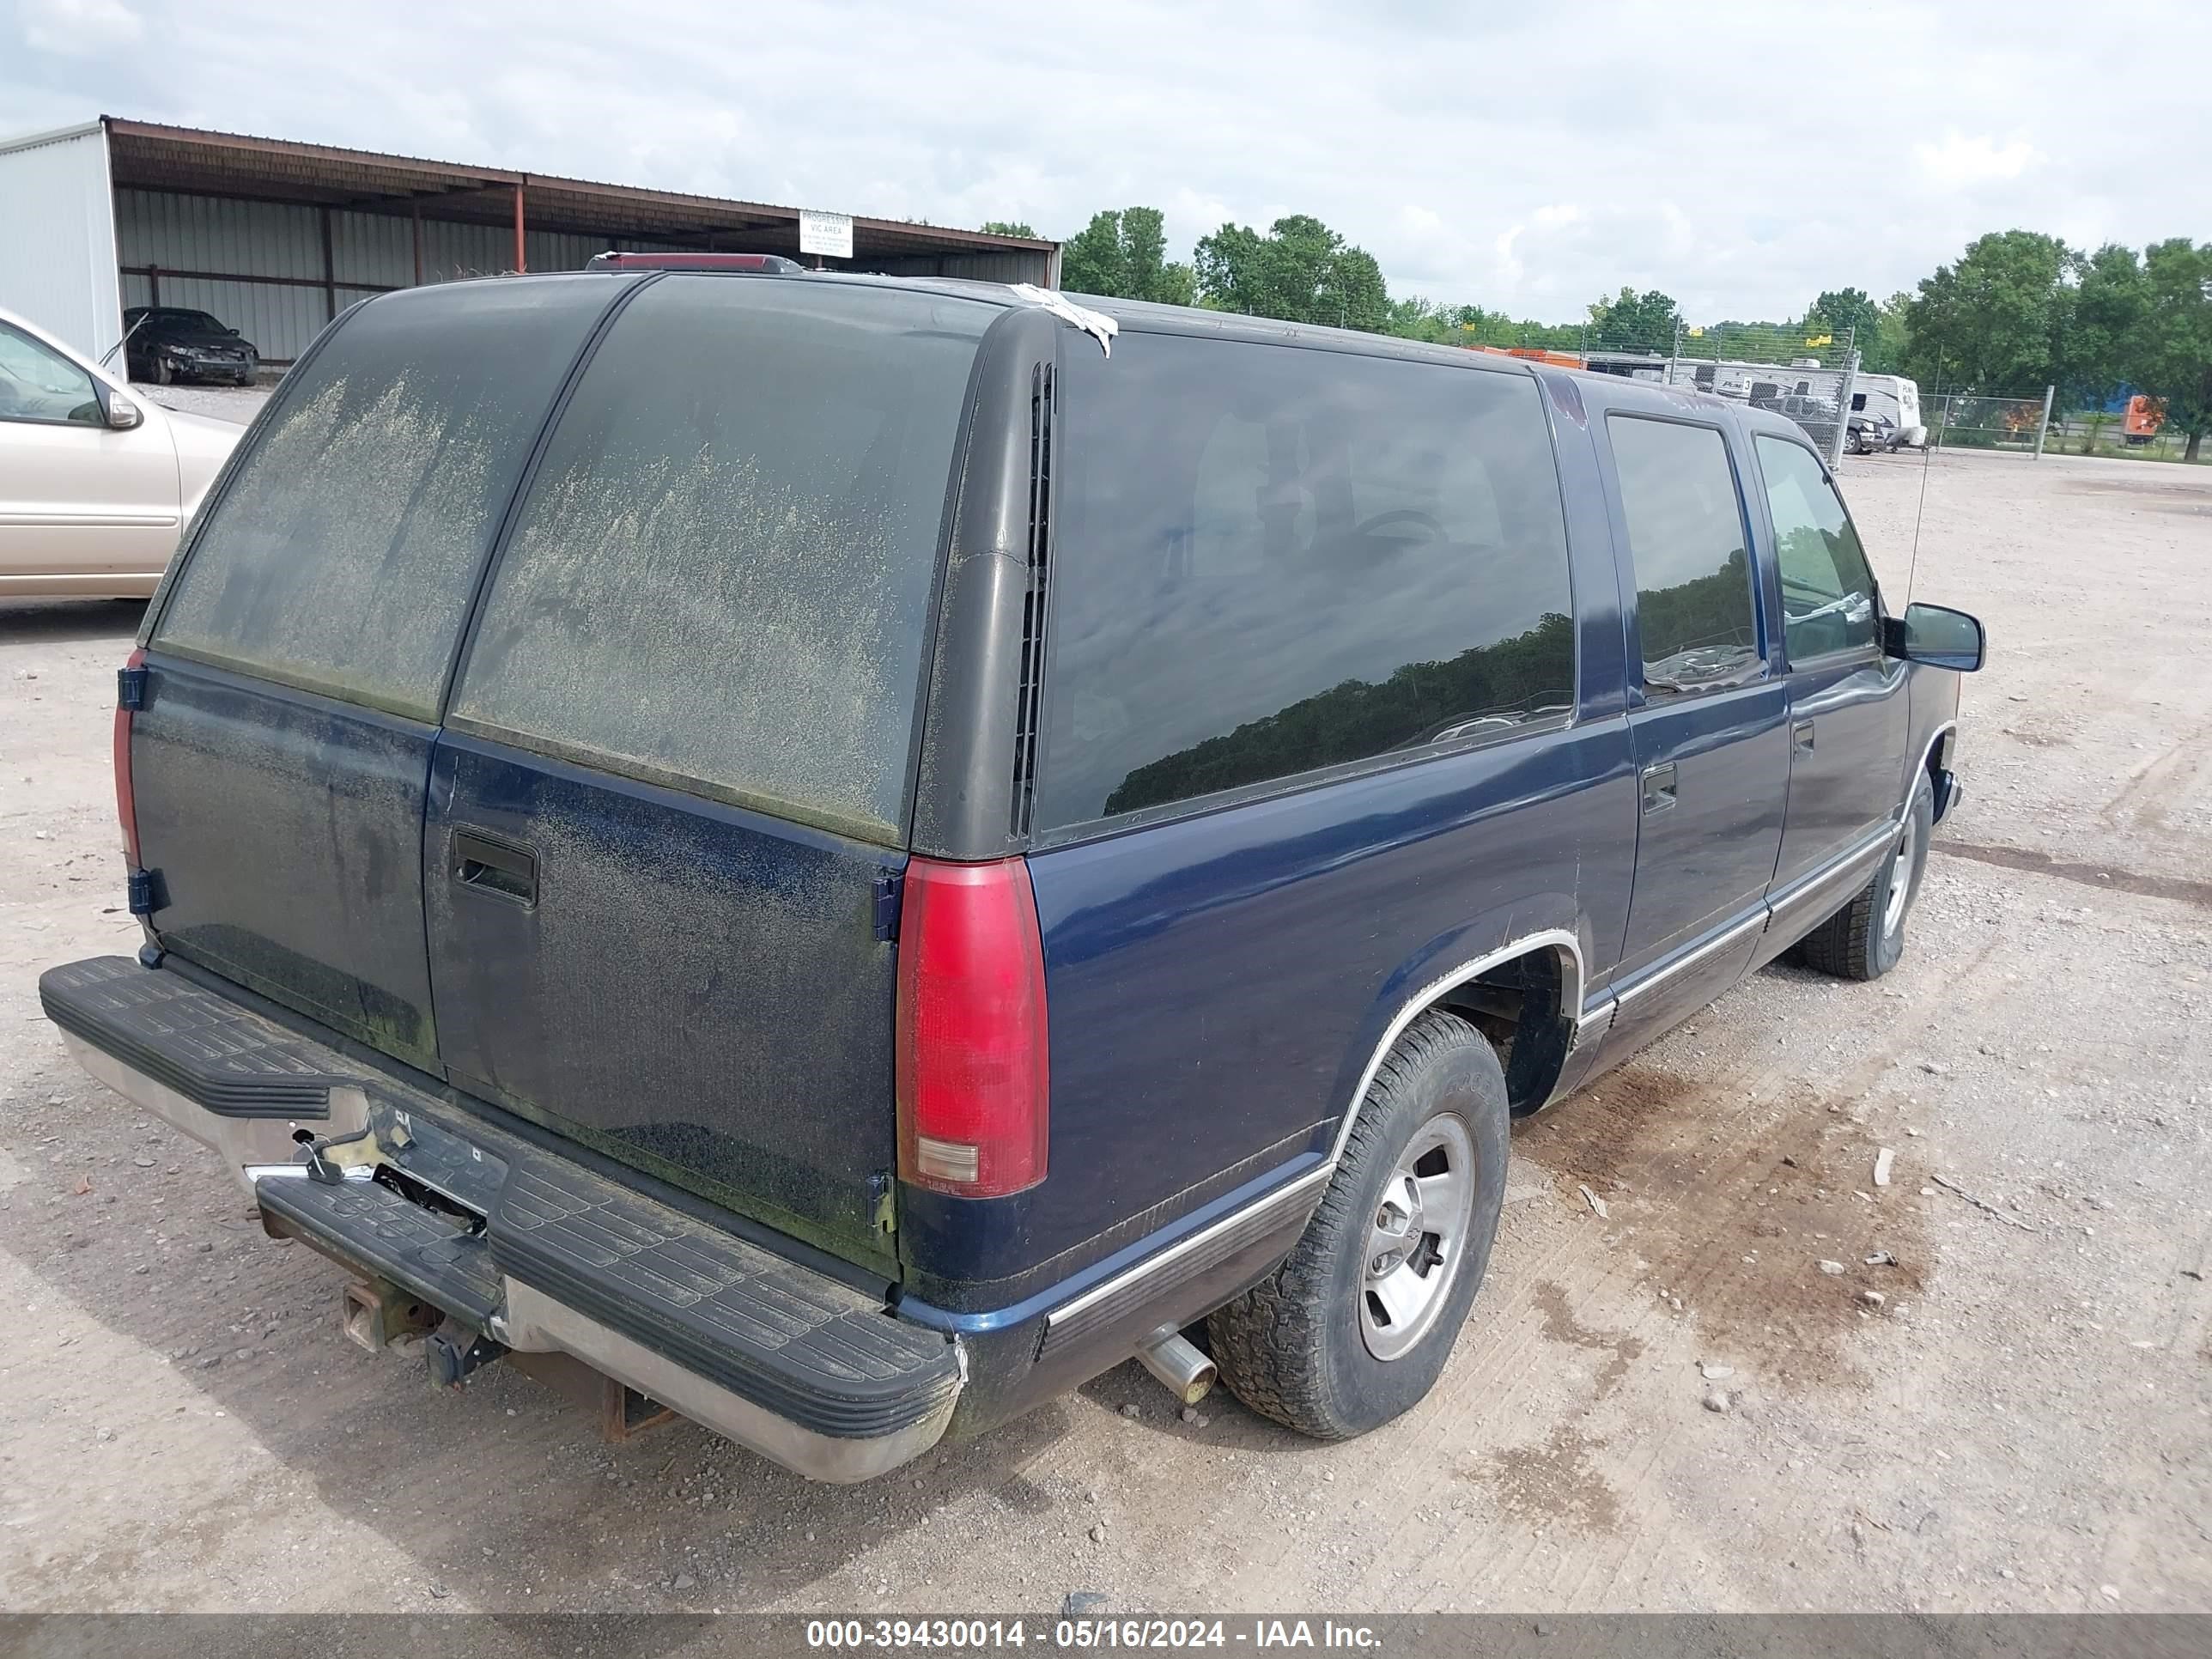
(1354,1327)
(1866,938)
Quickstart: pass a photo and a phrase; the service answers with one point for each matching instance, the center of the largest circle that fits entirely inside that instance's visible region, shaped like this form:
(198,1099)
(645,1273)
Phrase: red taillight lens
(972,1081)
(126,806)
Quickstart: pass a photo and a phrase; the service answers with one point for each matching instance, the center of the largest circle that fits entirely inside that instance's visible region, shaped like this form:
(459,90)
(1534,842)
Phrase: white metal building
(277,238)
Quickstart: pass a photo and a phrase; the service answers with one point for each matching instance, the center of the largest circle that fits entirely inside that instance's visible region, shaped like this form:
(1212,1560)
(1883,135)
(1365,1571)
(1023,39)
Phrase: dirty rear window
(720,577)
(343,556)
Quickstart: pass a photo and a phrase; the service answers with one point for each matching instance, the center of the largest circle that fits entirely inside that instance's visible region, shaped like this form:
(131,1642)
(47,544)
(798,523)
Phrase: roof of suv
(1145,317)
(1137,315)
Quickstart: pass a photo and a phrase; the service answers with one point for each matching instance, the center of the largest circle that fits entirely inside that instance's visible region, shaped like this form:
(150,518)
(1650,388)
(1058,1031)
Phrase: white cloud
(1962,160)
(78,28)
(1526,192)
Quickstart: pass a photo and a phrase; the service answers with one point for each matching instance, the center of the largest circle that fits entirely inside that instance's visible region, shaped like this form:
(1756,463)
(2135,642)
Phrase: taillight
(972,1078)
(126,806)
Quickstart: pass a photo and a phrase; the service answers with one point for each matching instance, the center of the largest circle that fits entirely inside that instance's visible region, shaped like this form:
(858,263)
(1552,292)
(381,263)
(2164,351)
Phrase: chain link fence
(1812,379)
(2107,432)
(1987,419)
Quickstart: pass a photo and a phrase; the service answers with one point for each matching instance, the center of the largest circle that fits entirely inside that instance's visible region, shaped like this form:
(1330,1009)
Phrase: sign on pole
(829,234)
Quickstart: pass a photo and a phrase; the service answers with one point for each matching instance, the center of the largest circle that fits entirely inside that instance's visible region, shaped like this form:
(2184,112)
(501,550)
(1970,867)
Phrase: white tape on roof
(1100,327)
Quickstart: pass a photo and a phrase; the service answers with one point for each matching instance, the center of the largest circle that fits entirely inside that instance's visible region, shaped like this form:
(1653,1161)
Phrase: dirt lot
(2023,1423)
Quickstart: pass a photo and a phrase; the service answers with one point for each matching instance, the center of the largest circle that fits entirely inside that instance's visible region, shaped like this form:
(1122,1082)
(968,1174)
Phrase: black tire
(163,375)
(1292,1347)
(1865,939)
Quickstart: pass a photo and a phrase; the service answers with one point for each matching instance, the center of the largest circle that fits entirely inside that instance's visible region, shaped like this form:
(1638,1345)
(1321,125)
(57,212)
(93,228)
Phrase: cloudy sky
(1742,156)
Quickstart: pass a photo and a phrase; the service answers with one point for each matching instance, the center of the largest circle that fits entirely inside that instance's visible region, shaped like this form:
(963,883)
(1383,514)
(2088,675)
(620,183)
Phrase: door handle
(1658,787)
(1801,738)
(494,867)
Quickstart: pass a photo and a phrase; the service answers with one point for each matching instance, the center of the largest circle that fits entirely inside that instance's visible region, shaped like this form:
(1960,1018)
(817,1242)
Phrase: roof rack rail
(770,264)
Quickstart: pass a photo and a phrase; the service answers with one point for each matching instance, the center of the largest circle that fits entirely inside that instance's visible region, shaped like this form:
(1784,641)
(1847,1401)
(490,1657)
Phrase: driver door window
(1827,589)
(37,383)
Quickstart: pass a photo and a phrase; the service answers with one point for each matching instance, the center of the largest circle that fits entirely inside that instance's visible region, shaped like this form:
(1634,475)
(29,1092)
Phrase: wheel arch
(1543,975)
(1936,754)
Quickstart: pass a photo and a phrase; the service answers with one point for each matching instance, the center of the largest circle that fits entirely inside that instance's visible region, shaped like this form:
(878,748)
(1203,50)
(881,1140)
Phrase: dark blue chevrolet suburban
(847,854)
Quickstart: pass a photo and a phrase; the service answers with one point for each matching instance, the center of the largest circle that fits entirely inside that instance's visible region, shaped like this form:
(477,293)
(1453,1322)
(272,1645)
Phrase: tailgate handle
(494,867)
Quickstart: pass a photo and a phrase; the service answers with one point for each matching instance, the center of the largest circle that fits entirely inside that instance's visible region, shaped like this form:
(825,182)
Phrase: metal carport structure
(276,237)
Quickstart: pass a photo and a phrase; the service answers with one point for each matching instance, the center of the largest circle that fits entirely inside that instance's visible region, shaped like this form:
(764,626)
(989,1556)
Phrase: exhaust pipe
(1182,1369)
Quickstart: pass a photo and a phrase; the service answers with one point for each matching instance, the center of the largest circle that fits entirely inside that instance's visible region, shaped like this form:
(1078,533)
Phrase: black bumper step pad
(211,1051)
(803,1346)
(432,1258)
(786,1337)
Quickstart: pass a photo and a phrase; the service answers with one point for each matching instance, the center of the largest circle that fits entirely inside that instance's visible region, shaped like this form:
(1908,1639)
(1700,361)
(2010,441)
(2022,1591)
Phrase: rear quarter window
(722,575)
(1269,561)
(342,555)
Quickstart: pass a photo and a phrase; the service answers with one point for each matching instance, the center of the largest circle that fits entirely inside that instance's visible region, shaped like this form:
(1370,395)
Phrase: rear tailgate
(299,658)
(673,789)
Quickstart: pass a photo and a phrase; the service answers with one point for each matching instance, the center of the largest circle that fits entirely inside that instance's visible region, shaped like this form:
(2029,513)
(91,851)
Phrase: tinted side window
(720,577)
(342,555)
(1827,591)
(1685,538)
(1268,560)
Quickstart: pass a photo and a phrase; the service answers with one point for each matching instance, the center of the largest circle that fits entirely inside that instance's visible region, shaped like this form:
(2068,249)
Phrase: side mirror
(1936,635)
(122,413)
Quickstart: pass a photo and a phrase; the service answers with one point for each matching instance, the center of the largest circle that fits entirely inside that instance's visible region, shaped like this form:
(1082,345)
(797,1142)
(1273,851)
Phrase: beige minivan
(95,481)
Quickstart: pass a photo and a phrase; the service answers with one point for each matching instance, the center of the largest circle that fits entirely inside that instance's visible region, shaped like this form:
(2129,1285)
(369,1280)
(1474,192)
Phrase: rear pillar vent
(1033,599)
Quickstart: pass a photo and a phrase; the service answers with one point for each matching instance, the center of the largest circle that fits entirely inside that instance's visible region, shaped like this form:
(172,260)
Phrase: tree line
(2016,312)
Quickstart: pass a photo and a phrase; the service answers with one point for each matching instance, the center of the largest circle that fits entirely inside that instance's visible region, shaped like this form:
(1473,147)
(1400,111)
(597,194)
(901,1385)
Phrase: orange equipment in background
(2144,417)
(1536,354)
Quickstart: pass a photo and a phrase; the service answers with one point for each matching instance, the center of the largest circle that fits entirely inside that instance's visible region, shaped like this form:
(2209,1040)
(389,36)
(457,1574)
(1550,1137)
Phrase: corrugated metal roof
(148,157)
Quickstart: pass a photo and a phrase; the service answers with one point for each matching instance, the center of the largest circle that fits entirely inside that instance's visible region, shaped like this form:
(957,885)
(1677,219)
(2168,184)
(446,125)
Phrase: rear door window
(720,576)
(1686,541)
(1270,560)
(342,557)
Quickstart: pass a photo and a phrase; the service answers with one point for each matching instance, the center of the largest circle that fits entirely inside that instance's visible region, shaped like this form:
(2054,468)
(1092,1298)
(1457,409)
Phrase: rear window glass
(342,555)
(722,575)
(1268,560)
(1685,539)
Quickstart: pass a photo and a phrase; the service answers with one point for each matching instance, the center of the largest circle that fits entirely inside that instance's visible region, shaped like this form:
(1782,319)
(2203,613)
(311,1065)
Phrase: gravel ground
(2023,1423)
(226,403)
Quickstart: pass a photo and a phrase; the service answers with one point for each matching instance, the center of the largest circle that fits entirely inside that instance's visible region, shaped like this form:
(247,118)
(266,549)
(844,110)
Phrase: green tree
(2109,312)
(2171,355)
(1634,322)
(1298,270)
(1838,309)
(1892,338)
(1416,318)
(1995,321)
(1008,228)
(1750,343)
(1123,256)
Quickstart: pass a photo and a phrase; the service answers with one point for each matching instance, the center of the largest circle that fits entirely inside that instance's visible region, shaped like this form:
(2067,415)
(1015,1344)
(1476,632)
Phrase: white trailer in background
(1806,390)
(1891,397)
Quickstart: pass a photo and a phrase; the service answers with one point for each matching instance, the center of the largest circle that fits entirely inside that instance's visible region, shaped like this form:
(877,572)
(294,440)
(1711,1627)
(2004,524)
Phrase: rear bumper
(534,1250)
